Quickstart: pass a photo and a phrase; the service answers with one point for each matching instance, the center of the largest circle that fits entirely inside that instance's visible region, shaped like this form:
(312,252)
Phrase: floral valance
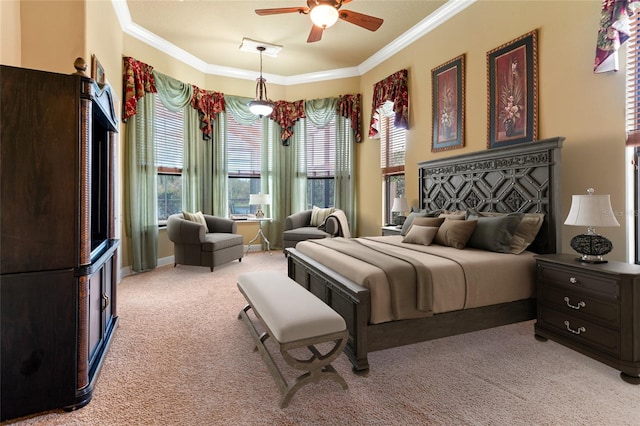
(613,32)
(393,88)
(208,104)
(286,114)
(138,80)
(349,106)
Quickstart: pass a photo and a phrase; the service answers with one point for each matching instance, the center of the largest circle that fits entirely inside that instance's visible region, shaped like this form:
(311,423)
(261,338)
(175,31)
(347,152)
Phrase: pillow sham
(413,215)
(494,233)
(318,215)
(453,215)
(455,233)
(428,221)
(419,234)
(197,217)
(525,232)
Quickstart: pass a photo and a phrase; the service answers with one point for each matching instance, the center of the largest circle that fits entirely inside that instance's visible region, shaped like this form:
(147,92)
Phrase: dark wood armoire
(57,246)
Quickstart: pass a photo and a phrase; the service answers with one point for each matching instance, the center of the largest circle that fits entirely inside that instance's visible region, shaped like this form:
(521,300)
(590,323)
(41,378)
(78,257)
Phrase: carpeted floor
(181,357)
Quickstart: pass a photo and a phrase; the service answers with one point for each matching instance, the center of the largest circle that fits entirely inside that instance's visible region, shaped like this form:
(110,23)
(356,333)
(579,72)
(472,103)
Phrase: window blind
(320,149)
(633,83)
(169,138)
(392,142)
(243,148)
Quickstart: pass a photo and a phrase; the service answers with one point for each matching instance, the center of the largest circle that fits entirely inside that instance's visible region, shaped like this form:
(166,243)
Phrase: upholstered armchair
(298,227)
(204,245)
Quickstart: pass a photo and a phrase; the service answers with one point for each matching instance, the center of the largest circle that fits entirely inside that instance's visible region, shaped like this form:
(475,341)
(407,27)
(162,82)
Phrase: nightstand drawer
(569,277)
(580,330)
(581,304)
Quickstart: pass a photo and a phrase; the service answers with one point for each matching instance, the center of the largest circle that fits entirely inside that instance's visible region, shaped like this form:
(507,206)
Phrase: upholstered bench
(294,318)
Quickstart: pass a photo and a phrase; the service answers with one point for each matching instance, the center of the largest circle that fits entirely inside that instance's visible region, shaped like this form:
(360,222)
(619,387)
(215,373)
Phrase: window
(169,156)
(392,148)
(320,163)
(633,115)
(243,163)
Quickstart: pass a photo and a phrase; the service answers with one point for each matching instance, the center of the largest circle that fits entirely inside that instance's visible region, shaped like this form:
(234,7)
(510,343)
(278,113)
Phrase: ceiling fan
(325,13)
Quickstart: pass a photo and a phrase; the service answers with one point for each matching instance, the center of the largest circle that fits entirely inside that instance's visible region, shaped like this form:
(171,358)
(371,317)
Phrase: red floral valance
(138,80)
(286,114)
(208,104)
(393,88)
(349,106)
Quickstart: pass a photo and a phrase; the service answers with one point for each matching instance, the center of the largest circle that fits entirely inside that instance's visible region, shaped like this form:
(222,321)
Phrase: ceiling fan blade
(360,19)
(315,34)
(278,10)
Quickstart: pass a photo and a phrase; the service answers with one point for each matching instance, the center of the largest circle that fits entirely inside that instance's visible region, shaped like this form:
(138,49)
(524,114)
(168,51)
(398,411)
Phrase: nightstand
(591,308)
(391,230)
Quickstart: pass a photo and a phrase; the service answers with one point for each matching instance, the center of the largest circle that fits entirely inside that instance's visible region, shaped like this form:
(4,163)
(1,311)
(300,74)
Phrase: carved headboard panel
(520,178)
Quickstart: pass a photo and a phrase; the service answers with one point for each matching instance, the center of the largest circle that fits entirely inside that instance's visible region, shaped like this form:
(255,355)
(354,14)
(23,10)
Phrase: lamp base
(259,213)
(592,247)
(585,258)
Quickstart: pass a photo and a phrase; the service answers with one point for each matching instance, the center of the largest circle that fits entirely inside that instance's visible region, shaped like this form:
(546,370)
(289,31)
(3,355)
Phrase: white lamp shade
(323,15)
(260,107)
(591,210)
(259,199)
(400,204)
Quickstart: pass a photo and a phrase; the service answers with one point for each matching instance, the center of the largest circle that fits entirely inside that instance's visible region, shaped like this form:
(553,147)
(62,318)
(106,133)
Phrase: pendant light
(261,105)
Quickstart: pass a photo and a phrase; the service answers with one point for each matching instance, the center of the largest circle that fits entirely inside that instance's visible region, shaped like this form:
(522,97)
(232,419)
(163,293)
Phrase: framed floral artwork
(448,105)
(512,71)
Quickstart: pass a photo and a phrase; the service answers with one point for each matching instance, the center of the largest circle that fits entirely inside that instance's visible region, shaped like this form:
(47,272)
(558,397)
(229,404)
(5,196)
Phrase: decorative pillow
(458,215)
(428,221)
(525,232)
(494,233)
(413,215)
(419,234)
(197,217)
(318,215)
(455,233)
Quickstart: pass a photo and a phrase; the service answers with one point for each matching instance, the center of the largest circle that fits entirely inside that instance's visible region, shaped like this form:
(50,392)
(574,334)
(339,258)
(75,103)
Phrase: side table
(391,230)
(591,308)
(260,233)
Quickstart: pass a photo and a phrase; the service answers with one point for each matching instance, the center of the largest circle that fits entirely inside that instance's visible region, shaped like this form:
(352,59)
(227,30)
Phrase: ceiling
(207,34)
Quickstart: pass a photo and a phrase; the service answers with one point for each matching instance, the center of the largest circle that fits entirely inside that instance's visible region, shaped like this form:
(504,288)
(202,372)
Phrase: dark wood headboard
(519,178)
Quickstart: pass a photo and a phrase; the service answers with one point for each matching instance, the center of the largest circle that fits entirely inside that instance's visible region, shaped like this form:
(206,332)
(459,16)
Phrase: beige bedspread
(460,279)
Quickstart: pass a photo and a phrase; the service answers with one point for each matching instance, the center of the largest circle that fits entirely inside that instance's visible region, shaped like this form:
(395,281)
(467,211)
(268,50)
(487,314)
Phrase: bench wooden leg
(317,367)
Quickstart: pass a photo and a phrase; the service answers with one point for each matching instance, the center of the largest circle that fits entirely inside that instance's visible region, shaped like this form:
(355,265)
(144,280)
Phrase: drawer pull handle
(578,331)
(105,298)
(578,306)
(573,280)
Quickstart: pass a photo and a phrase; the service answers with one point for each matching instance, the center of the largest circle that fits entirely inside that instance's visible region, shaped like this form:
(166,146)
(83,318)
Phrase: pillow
(428,221)
(318,215)
(419,234)
(197,217)
(455,233)
(453,215)
(525,232)
(494,233)
(413,215)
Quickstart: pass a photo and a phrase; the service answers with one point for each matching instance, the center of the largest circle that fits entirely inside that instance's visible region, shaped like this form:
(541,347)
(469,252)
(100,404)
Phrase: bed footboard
(347,298)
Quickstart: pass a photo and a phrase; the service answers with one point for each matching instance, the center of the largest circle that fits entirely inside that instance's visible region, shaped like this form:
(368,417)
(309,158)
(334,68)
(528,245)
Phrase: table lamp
(259,200)
(591,211)
(400,205)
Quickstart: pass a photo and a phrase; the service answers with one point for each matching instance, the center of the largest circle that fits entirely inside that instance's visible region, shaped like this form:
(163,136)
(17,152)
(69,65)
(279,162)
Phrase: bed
(523,178)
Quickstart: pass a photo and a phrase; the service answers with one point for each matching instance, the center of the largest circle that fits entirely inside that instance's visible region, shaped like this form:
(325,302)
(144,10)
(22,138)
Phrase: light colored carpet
(181,357)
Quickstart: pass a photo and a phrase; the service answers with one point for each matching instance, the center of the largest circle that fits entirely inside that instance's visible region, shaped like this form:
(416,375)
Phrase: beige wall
(586,108)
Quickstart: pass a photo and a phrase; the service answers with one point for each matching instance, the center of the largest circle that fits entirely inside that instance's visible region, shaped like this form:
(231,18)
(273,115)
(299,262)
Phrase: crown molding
(438,17)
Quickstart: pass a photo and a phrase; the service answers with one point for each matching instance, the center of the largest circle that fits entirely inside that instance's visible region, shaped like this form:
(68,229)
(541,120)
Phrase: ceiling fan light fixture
(261,105)
(324,15)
